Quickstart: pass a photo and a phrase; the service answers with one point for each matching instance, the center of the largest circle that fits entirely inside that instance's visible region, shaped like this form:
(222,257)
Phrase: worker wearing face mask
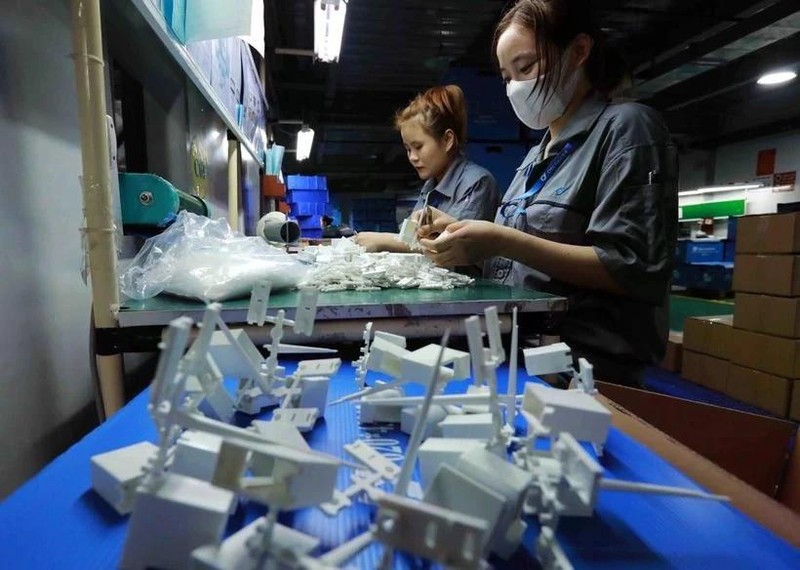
(592,211)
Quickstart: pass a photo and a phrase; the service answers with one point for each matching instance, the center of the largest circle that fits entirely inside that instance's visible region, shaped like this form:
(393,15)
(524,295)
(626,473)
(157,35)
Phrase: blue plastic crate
(310,222)
(711,277)
(680,275)
(308,208)
(729,253)
(733,224)
(704,251)
(297,196)
(680,251)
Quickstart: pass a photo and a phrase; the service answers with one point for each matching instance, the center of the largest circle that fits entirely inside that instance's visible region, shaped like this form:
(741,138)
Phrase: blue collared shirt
(467,191)
(617,192)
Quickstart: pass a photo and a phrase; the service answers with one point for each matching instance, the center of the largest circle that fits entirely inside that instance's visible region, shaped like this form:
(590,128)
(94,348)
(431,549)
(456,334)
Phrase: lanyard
(548,173)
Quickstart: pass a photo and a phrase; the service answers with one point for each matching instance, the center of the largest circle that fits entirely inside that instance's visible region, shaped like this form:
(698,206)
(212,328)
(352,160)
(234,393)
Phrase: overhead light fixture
(329,18)
(305,138)
(715,189)
(777,77)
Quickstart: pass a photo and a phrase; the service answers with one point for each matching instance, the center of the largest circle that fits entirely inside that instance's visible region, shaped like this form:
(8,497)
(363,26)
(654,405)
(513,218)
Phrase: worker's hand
(433,224)
(377,241)
(464,243)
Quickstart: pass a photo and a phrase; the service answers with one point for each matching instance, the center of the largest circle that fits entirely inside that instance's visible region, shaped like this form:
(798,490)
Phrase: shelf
(180,54)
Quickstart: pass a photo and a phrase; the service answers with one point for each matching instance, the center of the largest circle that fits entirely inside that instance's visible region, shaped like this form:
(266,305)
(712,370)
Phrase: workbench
(57,521)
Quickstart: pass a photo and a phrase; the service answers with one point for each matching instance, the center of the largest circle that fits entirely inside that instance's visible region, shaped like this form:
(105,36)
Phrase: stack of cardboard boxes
(706,349)
(764,344)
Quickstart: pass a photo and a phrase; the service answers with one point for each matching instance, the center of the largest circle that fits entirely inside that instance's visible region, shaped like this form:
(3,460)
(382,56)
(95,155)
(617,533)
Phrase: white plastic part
(196,512)
(408,417)
(373,459)
(395,339)
(549,359)
(216,402)
(347,550)
(437,451)
(230,360)
(301,418)
(452,539)
(459,492)
(493,330)
(584,378)
(314,393)
(320,367)
(362,481)
(195,454)
(580,472)
(511,393)
(306,311)
(549,551)
(290,479)
(571,411)
(259,299)
(116,474)
(650,489)
(473,426)
(476,401)
(417,365)
(507,480)
(370,414)
(473,327)
(281,433)
(408,232)
(235,552)
(475,407)
(386,357)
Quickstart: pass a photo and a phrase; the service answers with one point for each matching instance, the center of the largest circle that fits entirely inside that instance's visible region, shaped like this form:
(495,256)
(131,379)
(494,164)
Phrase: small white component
(306,311)
(282,433)
(493,329)
(549,551)
(582,475)
(373,459)
(396,339)
(314,393)
(370,414)
(259,299)
(229,359)
(408,417)
(437,451)
(252,400)
(549,359)
(196,454)
(197,512)
(473,426)
(301,418)
(386,357)
(363,481)
(116,474)
(234,552)
(408,232)
(478,408)
(319,367)
(571,411)
(418,364)
(441,535)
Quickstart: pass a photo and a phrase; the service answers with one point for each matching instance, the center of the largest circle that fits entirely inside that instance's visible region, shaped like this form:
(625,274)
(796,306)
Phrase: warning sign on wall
(784,181)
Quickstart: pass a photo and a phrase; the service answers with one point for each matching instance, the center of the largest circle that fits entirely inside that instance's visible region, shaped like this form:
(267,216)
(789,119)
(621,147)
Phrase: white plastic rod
(87,43)
(401,488)
(475,341)
(439,400)
(344,552)
(233,183)
(511,408)
(648,488)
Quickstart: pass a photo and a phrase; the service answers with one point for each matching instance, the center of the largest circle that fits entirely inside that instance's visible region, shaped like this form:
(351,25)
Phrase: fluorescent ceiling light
(328,28)
(777,77)
(305,138)
(713,189)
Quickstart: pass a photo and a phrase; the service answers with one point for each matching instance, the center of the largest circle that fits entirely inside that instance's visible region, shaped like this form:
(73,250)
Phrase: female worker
(591,213)
(434,132)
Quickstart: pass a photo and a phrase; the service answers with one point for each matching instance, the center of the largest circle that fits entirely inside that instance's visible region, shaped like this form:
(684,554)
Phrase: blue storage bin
(310,222)
(733,223)
(712,277)
(311,233)
(729,253)
(680,275)
(680,251)
(297,196)
(704,251)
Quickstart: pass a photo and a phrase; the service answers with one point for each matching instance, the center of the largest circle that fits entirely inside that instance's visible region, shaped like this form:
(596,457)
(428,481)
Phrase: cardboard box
(766,391)
(779,316)
(705,370)
(772,354)
(708,335)
(674,354)
(794,408)
(767,274)
(773,233)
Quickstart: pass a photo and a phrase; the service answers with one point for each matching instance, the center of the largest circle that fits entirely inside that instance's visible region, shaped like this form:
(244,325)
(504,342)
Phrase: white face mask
(532,107)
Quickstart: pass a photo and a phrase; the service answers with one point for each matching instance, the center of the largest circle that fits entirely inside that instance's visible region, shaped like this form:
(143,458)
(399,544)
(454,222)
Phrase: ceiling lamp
(305,138)
(328,28)
(777,77)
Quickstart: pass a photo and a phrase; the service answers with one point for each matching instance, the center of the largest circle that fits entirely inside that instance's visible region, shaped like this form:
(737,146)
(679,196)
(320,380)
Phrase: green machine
(150,203)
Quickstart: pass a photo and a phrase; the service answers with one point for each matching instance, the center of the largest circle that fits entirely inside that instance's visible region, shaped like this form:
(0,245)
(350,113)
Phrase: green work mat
(682,307)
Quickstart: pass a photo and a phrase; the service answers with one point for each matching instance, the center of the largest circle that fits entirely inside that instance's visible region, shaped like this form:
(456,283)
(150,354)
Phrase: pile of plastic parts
(345,265)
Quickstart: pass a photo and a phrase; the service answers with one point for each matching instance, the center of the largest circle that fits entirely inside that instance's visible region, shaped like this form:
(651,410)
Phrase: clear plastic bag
(205,259)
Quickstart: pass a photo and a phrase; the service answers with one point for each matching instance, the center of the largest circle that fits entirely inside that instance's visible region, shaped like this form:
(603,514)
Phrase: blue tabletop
(56,520)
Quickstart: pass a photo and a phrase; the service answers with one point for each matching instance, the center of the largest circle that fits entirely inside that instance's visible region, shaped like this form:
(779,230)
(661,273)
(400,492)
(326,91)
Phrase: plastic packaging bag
(204,259)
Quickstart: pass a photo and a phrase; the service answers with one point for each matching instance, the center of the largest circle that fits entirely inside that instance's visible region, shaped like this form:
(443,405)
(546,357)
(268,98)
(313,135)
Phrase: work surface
(57,521)
(359,305)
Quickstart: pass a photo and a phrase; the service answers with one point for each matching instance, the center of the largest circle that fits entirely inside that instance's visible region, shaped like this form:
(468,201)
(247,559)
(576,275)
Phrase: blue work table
(56,521)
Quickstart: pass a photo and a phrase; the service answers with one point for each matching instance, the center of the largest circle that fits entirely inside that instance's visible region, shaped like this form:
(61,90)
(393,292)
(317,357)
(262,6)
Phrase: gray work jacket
(616,192)
(467,191)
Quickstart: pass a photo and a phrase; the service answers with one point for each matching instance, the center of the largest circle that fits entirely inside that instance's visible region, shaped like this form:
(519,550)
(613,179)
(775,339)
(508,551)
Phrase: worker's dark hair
(438,109)
(327,220)
(554,24)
